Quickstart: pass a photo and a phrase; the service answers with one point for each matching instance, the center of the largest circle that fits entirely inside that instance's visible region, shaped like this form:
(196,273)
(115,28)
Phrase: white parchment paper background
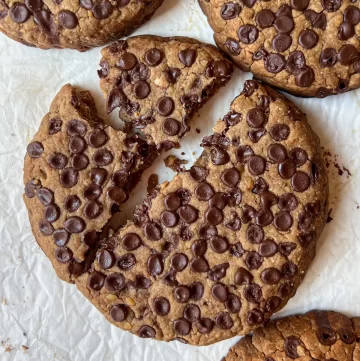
(51,317)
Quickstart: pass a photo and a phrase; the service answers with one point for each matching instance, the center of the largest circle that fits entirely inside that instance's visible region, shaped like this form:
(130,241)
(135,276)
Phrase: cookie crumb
(198,130)
(4,302)
(24,348)
(174,163)
(153,182)
(333,163)
(7,346)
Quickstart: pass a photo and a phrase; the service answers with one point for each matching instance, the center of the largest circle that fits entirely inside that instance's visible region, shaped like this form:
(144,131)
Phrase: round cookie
(77,172)
(306,47)
(317,335)
(220,248)
(74,24)
(158,83)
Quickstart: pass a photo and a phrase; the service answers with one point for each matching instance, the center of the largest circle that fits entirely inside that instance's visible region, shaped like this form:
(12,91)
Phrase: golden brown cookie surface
(220,248)
(158,83)
(306,47)
(317,335)
(75,24)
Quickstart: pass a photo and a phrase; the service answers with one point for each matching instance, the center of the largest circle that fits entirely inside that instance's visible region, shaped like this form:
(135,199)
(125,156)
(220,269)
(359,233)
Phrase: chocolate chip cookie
(76,24)
(306,47)
(158,83)
(220,248)
(77,172)
(317,335)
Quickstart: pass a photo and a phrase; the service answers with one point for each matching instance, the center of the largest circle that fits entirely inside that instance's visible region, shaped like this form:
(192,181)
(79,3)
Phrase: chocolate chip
(192,313)
(275,63)
(214,216)
(96,281)
(299,5)
(219,244)
(187,57)
(265,18)
(253,260)
(253,293)
(98,175)
(19,13)
(128,261)
(294,65)
(92,191)
(277,153)
(46,228)
(106,259)
(172,74)
(127,61)
(207,231)
(80,161)
(348,54)
(188,214)
(69,177)
(141,89)
(230,11)
(255,317)
(270,276)
(179,261)
(199,264)
(67,19)
(172,202)
(74,224)
(223,320)
(35,149)
(248,34)
(243,153)
(102,157)
(218,272)
(181,294)
(63,254)
(300,181)
(97,138)
(242,276)
(352,15)
(219,292)
(318,20)
(290,346)
(286,248)
(256,165)
(268,248)
(75,127)
(196,291)
(57,160)
(255,234)
(232,46)
(199,247)
(331,5)
(219,156)
(142,282)
(61,237)
(182,327)
(272,304)
(153,57)
(279,132)
(155,265)
(165,106)
(264,217)
(299,156)
(283,221)
(152,231)
(204,325)
(284,24)
(146,332)
(31,187)
(198,174)
(287,168)
(282,42)
(131,241)
(45,196)
(171,126)
(161,306)
(115,282)
(52,213)
(72,203)
(118,313)
(248,214)
(289,270)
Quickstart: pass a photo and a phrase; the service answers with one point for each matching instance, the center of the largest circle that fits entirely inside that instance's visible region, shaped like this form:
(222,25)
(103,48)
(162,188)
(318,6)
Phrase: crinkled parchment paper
(44,319)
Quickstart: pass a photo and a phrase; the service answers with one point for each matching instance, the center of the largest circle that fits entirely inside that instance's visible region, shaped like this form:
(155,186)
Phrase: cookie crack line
(320,335)
(79,25)
(308,48)
(209,255)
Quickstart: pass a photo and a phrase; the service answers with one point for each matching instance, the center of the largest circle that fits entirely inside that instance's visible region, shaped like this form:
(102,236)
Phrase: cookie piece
(306,47)
(158,83)
(79,24)
(316,335)
(77,172)
(216,251)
